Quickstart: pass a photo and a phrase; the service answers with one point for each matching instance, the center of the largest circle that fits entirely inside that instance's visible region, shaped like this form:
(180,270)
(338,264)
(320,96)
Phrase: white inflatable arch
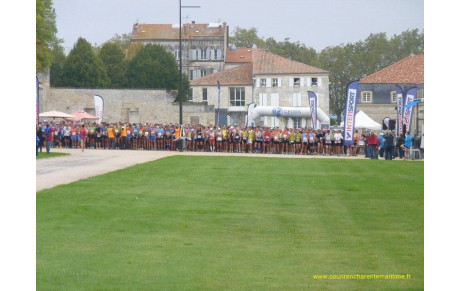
(255,112)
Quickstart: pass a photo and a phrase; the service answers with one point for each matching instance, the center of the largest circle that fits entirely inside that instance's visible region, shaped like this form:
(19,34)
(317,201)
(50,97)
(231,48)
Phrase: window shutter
(274,99)
(319,81)
(257,82)
(219,54)
(302,82)
(269,82)
(308,81)
(208,54)
(192,54)
(291,82)
(279,82)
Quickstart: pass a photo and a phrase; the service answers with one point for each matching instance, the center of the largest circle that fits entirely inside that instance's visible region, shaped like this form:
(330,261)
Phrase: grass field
(44,155)
(213,223)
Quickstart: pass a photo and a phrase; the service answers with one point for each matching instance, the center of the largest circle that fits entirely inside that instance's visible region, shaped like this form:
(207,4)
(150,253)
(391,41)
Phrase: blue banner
(313,100)
(407,116)
(38,100)
(415,102)
(399,111)
(350,109)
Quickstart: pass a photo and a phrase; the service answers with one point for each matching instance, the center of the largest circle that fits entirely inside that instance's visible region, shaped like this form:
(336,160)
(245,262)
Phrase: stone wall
(127,105)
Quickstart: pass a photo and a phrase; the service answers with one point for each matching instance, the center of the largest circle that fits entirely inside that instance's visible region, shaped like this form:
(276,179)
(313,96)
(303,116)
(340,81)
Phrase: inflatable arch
(289,113)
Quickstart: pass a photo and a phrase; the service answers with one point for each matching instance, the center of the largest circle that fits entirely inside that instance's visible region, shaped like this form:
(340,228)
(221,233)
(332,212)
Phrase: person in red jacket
(49,136)
(83,136)
(373,143)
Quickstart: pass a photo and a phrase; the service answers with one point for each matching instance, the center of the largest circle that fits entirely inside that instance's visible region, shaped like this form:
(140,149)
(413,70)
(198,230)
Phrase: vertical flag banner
(350,109)
(250,117)
(98,107)
(407,116)
(399,111)
(313,100)
(218,103)
(38,99)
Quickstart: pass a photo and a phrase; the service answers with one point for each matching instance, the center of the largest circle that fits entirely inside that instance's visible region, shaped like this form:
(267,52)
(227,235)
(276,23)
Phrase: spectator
(373,144)
(388,145)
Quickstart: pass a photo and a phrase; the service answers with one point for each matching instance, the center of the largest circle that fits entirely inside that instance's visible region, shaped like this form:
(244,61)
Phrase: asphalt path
(51,172)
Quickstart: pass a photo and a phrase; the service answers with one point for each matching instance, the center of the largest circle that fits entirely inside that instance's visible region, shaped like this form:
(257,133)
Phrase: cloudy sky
(316,23)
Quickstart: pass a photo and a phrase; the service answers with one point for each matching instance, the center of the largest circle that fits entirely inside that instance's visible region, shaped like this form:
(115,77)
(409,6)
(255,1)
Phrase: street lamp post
(180,57)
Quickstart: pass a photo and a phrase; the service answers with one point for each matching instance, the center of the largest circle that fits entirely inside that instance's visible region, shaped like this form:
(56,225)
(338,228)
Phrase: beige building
(378,91)
(260,77)
(204,45)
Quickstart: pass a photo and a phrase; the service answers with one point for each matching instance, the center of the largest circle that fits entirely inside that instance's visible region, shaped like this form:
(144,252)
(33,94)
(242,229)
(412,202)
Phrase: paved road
(81,165)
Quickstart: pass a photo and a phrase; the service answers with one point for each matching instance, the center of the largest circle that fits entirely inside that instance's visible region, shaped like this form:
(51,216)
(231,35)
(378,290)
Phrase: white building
(263,78)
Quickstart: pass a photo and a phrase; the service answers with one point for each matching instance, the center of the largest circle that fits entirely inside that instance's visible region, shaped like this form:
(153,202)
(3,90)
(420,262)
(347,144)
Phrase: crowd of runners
(198,138)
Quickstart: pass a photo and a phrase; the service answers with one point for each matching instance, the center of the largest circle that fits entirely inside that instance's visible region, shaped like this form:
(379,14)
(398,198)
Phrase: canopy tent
(55,114)
(363,121)
(82,115)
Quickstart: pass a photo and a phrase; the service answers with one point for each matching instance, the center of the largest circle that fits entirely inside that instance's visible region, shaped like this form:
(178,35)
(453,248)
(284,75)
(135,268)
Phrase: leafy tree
(122,40)
(45,34)
(153,67)
(57,68)
(245,38)
(83,68)
(112,56)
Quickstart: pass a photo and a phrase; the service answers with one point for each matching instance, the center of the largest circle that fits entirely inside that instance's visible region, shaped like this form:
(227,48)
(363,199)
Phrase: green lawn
(214,223)
(44,155)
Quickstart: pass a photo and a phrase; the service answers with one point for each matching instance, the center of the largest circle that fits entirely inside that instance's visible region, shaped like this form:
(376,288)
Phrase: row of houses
(225,81)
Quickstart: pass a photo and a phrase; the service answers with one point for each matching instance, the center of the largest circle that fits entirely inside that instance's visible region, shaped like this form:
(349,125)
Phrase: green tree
(83,68)
(122,40)
(45,34)
(57,68)
(112,56)
(245,38)
(153,67)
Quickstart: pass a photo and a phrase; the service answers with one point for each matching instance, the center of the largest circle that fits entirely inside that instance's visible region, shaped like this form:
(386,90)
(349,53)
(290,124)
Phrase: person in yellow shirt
(111,136)
(123,137)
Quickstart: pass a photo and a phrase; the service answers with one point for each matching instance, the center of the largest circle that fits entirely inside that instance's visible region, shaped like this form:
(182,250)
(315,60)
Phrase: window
(274,82)
(296,82)
(191,75)
(297,122)
(366,97)
(203,54)
(314,81)
(296,99)
(237,96)
(190,94)
(176,54)
(203,73)
(205,94)
(215,54)
(393,96)
(263,82)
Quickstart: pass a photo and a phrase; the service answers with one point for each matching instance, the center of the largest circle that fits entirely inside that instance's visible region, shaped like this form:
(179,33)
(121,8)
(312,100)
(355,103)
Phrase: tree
(57,68)
(153,67)
(83,68)
(112,56)
(245,38)
(45,34)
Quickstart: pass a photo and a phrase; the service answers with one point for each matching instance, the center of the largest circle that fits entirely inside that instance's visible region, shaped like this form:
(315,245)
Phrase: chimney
(193,23)
(136,25)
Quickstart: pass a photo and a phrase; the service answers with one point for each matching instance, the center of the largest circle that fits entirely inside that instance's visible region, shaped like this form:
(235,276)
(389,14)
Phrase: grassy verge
(44,155)
(234,223)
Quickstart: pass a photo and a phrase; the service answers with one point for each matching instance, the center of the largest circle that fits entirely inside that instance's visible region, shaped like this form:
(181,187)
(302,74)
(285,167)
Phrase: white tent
(362,121)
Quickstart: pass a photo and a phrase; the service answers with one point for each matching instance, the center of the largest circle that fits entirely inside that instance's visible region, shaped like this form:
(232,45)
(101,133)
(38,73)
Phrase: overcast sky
(316,23)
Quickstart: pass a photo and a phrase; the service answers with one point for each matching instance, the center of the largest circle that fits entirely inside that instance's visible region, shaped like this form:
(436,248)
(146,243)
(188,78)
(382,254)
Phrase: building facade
(378,91)
(203,45)
(257,76)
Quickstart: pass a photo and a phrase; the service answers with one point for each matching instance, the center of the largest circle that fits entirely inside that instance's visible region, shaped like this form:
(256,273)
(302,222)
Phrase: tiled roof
(168,32)
(409,70)
(268,63)
(241,75)
(260,62)
(242,55)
